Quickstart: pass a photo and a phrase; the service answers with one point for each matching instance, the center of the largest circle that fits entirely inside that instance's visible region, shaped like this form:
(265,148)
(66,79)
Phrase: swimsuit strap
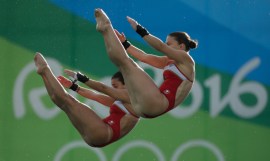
(121,106)
(173,68)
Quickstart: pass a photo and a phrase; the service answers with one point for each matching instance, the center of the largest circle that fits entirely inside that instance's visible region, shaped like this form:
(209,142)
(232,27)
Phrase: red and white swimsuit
(117,111)
(173,77)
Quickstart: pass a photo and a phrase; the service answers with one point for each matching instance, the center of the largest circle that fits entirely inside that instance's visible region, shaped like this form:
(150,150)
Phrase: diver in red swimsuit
(95,131)
(147,99)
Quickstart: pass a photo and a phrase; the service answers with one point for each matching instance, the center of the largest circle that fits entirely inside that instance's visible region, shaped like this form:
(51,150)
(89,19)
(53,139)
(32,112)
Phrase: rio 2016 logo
(214,83)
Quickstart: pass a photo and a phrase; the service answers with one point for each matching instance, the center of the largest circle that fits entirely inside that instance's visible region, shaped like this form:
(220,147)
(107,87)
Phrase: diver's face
(117,84)
(170,41)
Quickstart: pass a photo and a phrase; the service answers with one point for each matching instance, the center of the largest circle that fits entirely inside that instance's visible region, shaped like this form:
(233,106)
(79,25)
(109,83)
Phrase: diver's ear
(182,46)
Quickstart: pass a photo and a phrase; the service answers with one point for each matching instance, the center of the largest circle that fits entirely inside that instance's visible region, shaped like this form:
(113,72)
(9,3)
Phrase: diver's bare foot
(40,62)
(103,21)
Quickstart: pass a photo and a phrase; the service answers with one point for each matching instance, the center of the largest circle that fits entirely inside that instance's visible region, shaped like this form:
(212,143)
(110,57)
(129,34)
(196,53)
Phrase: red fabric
(113,120)
(169,88)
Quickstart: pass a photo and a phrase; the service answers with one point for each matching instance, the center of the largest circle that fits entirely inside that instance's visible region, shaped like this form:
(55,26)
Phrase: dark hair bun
(192,44)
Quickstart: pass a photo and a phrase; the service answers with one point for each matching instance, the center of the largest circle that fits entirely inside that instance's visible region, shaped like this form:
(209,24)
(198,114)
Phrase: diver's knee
(96,140)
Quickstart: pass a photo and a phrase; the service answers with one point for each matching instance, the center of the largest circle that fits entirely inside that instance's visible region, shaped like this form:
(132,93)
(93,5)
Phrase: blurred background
(225,118)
